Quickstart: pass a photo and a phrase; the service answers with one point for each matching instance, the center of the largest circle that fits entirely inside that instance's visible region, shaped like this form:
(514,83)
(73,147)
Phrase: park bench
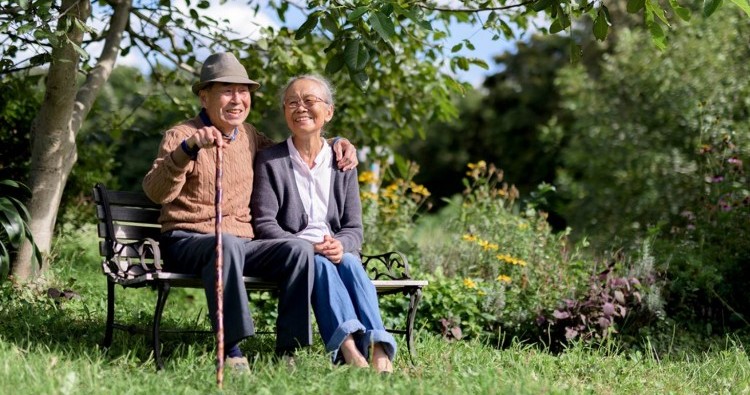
(128,229)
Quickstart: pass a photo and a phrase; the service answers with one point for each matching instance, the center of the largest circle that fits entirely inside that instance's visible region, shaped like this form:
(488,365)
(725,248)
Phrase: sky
(238,13)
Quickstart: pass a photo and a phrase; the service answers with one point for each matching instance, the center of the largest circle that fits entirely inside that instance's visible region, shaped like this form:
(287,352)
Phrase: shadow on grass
(75,327)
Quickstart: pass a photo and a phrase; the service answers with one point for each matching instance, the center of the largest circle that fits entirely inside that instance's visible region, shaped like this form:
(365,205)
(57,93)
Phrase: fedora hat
(223,67)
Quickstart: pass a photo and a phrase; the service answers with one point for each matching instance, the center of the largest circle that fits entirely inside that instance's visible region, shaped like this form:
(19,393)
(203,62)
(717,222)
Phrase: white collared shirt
(314,186)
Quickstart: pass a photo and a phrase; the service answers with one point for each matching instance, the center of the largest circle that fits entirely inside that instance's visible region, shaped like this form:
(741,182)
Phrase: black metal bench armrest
(391,265)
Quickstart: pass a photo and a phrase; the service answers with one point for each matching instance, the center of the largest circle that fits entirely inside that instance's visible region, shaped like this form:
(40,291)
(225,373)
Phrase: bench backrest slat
(124,217)
(129,214)
(127,231)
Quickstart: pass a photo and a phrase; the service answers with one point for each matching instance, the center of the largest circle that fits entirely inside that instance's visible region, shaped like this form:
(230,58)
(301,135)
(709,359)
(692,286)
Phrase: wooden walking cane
(219,277)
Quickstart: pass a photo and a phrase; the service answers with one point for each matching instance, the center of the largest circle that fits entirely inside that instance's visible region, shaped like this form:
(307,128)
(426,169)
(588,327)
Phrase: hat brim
(252,85)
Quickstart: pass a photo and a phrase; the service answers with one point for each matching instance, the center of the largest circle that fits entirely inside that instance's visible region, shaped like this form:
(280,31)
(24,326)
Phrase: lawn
(50,347)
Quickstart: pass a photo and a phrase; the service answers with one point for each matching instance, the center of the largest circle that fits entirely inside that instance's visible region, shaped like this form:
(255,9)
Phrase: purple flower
(735,161)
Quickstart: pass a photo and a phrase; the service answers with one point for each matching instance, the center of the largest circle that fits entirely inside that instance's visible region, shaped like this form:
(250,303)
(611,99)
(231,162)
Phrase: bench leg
(161,301)
(110,323)
(413,302)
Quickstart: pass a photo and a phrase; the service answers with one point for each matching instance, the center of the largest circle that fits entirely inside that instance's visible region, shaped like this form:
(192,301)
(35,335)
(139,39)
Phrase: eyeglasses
(307,101)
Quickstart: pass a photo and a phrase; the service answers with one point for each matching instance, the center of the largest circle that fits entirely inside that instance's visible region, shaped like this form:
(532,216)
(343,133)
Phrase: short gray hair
(328,90)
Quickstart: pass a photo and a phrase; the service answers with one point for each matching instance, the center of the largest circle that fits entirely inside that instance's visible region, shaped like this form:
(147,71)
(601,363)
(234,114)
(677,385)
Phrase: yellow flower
(367,177)
(523,225)
(479,165)
(481,293)
(364,195)
(469,283)
(419,189)
(504,279)
(487,246)
(469,237)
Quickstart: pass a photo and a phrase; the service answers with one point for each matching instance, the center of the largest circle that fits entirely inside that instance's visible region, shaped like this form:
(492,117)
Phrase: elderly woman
(299,193)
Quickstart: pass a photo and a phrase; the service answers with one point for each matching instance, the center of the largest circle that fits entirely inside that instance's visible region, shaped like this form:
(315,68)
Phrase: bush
(390,205)
(707,245)
(494,268)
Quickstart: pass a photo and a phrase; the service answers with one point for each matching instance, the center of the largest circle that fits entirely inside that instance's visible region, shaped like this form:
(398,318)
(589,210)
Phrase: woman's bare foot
(352,356)
(380,360)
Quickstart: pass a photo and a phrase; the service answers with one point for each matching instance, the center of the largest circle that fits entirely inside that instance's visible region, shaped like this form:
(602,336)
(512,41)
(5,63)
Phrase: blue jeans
(345,303)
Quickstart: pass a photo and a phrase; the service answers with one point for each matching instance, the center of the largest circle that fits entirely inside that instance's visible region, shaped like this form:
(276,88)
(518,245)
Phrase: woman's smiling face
(305,108)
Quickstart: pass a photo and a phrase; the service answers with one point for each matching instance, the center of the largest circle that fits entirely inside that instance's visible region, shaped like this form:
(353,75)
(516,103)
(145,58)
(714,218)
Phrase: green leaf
(457,47)
(308,26)
(479,63)
(743,4)
(635,5)
(682,12)
(21,208)
(12,222)
(710,6)
(556,27)
(656,10)
(359,79)
(601,25)
(356,55)
(383,25)
(81,51)
(657,35)
(425,24)
(507,30)
(335,64)
(463,63)
(357,14)
(4,261)
(13,184)
(330,23)
(541,5)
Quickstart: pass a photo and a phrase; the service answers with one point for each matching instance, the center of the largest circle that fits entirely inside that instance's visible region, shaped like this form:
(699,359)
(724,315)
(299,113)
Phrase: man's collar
(204,117)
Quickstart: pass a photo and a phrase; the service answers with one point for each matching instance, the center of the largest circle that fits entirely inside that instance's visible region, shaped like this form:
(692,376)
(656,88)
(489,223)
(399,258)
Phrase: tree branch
(472,10)
(98,76)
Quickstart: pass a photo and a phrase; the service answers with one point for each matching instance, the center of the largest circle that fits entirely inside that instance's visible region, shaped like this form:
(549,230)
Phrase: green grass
(52,348)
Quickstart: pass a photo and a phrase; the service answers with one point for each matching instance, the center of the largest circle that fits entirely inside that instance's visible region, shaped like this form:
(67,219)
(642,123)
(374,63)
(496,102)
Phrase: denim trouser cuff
(344,330)
(381,336)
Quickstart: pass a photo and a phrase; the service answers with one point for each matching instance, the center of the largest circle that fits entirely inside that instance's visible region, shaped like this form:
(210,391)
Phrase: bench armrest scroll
(391,265)
(130,260)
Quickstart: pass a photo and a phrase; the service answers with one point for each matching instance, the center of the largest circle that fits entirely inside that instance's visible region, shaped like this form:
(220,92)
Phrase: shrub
(617,296)
(707,244)
(497,268)
(390,205)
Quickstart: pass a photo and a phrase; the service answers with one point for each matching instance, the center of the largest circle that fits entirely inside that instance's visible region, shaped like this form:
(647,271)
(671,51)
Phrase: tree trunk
(53,132)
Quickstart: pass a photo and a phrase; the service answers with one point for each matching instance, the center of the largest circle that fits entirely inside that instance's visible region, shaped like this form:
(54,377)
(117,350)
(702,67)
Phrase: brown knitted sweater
(187,194)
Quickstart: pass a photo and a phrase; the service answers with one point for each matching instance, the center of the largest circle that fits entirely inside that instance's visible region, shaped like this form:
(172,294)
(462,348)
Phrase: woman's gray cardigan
(276,206)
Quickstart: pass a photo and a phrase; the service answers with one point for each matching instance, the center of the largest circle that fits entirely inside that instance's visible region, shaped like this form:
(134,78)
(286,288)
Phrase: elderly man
(182,180)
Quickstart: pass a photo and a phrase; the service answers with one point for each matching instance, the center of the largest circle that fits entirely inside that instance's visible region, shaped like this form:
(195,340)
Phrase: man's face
(227,105)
